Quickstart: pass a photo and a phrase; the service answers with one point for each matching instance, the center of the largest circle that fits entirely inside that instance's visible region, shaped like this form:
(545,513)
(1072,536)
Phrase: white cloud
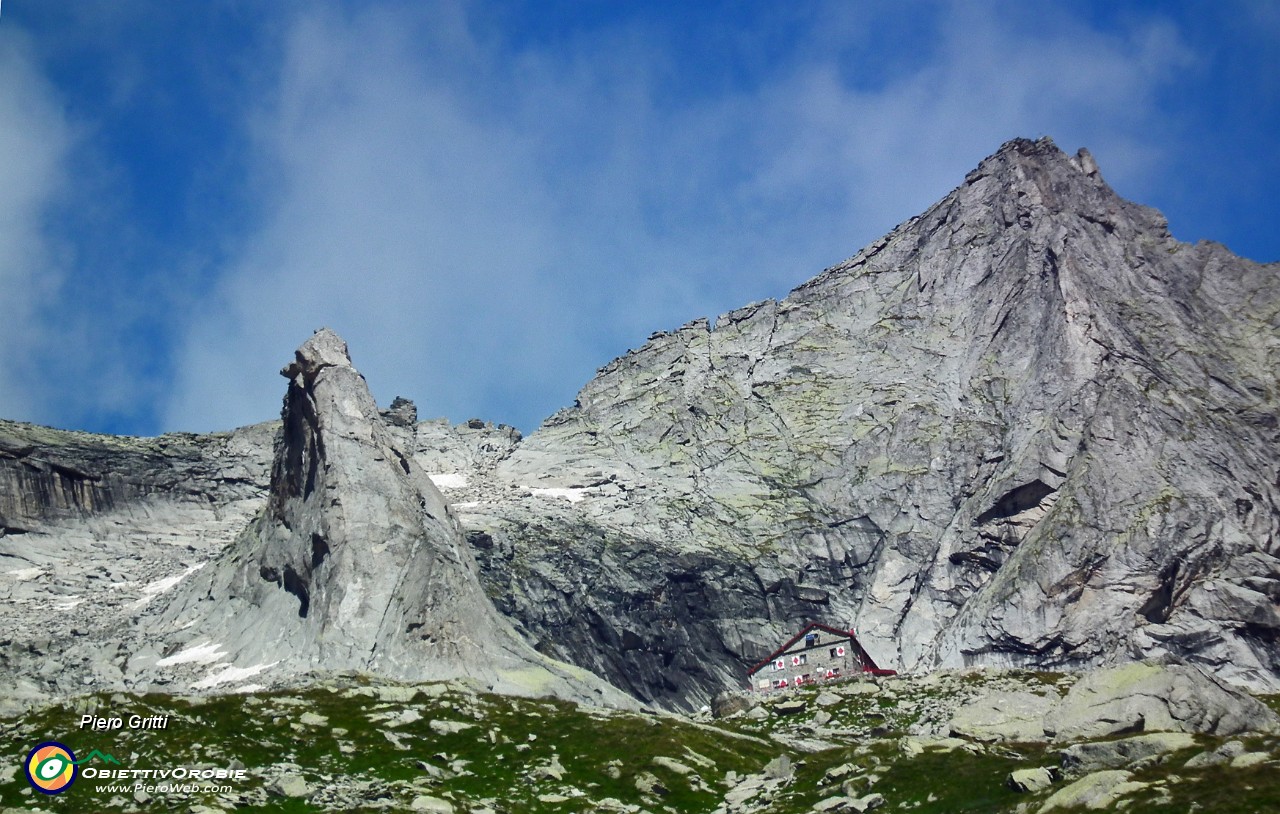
(886,153)
(414,229)
(487,227)
(34,141)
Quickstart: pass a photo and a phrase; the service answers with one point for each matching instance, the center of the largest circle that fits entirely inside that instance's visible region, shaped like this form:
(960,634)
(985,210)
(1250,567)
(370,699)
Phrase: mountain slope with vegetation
(898,744)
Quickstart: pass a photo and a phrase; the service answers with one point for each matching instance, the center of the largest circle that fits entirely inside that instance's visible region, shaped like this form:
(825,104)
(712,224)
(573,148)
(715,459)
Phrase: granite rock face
(355,563)
(95,528)
(1026,428)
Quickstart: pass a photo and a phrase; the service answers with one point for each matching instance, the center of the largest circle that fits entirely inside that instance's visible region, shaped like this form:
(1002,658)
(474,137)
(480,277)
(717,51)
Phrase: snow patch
(203,653)
(449,480)
(231,673)
(470,504)
(24,574)
(160,586)
(571,495)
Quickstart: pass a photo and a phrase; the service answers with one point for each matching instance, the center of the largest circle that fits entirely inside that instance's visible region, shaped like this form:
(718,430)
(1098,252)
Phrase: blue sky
(492,200)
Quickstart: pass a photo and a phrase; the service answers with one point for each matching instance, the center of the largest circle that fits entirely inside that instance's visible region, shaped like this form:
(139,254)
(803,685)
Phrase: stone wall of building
(820,656)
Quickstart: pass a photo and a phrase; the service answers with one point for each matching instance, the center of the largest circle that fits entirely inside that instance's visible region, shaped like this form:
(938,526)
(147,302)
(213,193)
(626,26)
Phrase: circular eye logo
(51,767)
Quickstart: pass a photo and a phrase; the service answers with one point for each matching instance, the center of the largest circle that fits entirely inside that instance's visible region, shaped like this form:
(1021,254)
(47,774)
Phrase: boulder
(1030,780)
(551,770)
(1150,697)
(790,707)
(1099,791)
(837,774)
(743,792)
(673,765)
(1007,715)
(445,727)
(289,785)
(648,783)
(431,805)
(779,768)
(1223,754)
(1250,759)
(1115,754)
(400,695)
(731,703)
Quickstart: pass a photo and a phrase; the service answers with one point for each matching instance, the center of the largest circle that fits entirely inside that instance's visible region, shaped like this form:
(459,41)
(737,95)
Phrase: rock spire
(355,563)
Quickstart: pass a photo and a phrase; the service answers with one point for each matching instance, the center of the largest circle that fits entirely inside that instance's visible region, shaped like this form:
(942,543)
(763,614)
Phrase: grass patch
(472,749)
(361,746)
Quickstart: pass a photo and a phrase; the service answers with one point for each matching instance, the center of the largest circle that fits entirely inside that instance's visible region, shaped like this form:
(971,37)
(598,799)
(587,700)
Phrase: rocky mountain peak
(1022,160)
(1025,427)
(355,563)
(324,349)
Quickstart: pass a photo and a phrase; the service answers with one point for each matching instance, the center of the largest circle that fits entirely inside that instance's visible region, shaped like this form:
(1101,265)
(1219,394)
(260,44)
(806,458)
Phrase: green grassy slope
(355,745)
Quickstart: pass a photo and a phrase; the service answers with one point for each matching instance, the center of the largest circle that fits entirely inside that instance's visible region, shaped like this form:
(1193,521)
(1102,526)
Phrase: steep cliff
(1028,427)
(94,527)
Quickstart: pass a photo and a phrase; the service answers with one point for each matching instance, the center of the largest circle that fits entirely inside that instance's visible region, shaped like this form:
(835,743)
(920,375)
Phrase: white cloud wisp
(488,226)
(34,141)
